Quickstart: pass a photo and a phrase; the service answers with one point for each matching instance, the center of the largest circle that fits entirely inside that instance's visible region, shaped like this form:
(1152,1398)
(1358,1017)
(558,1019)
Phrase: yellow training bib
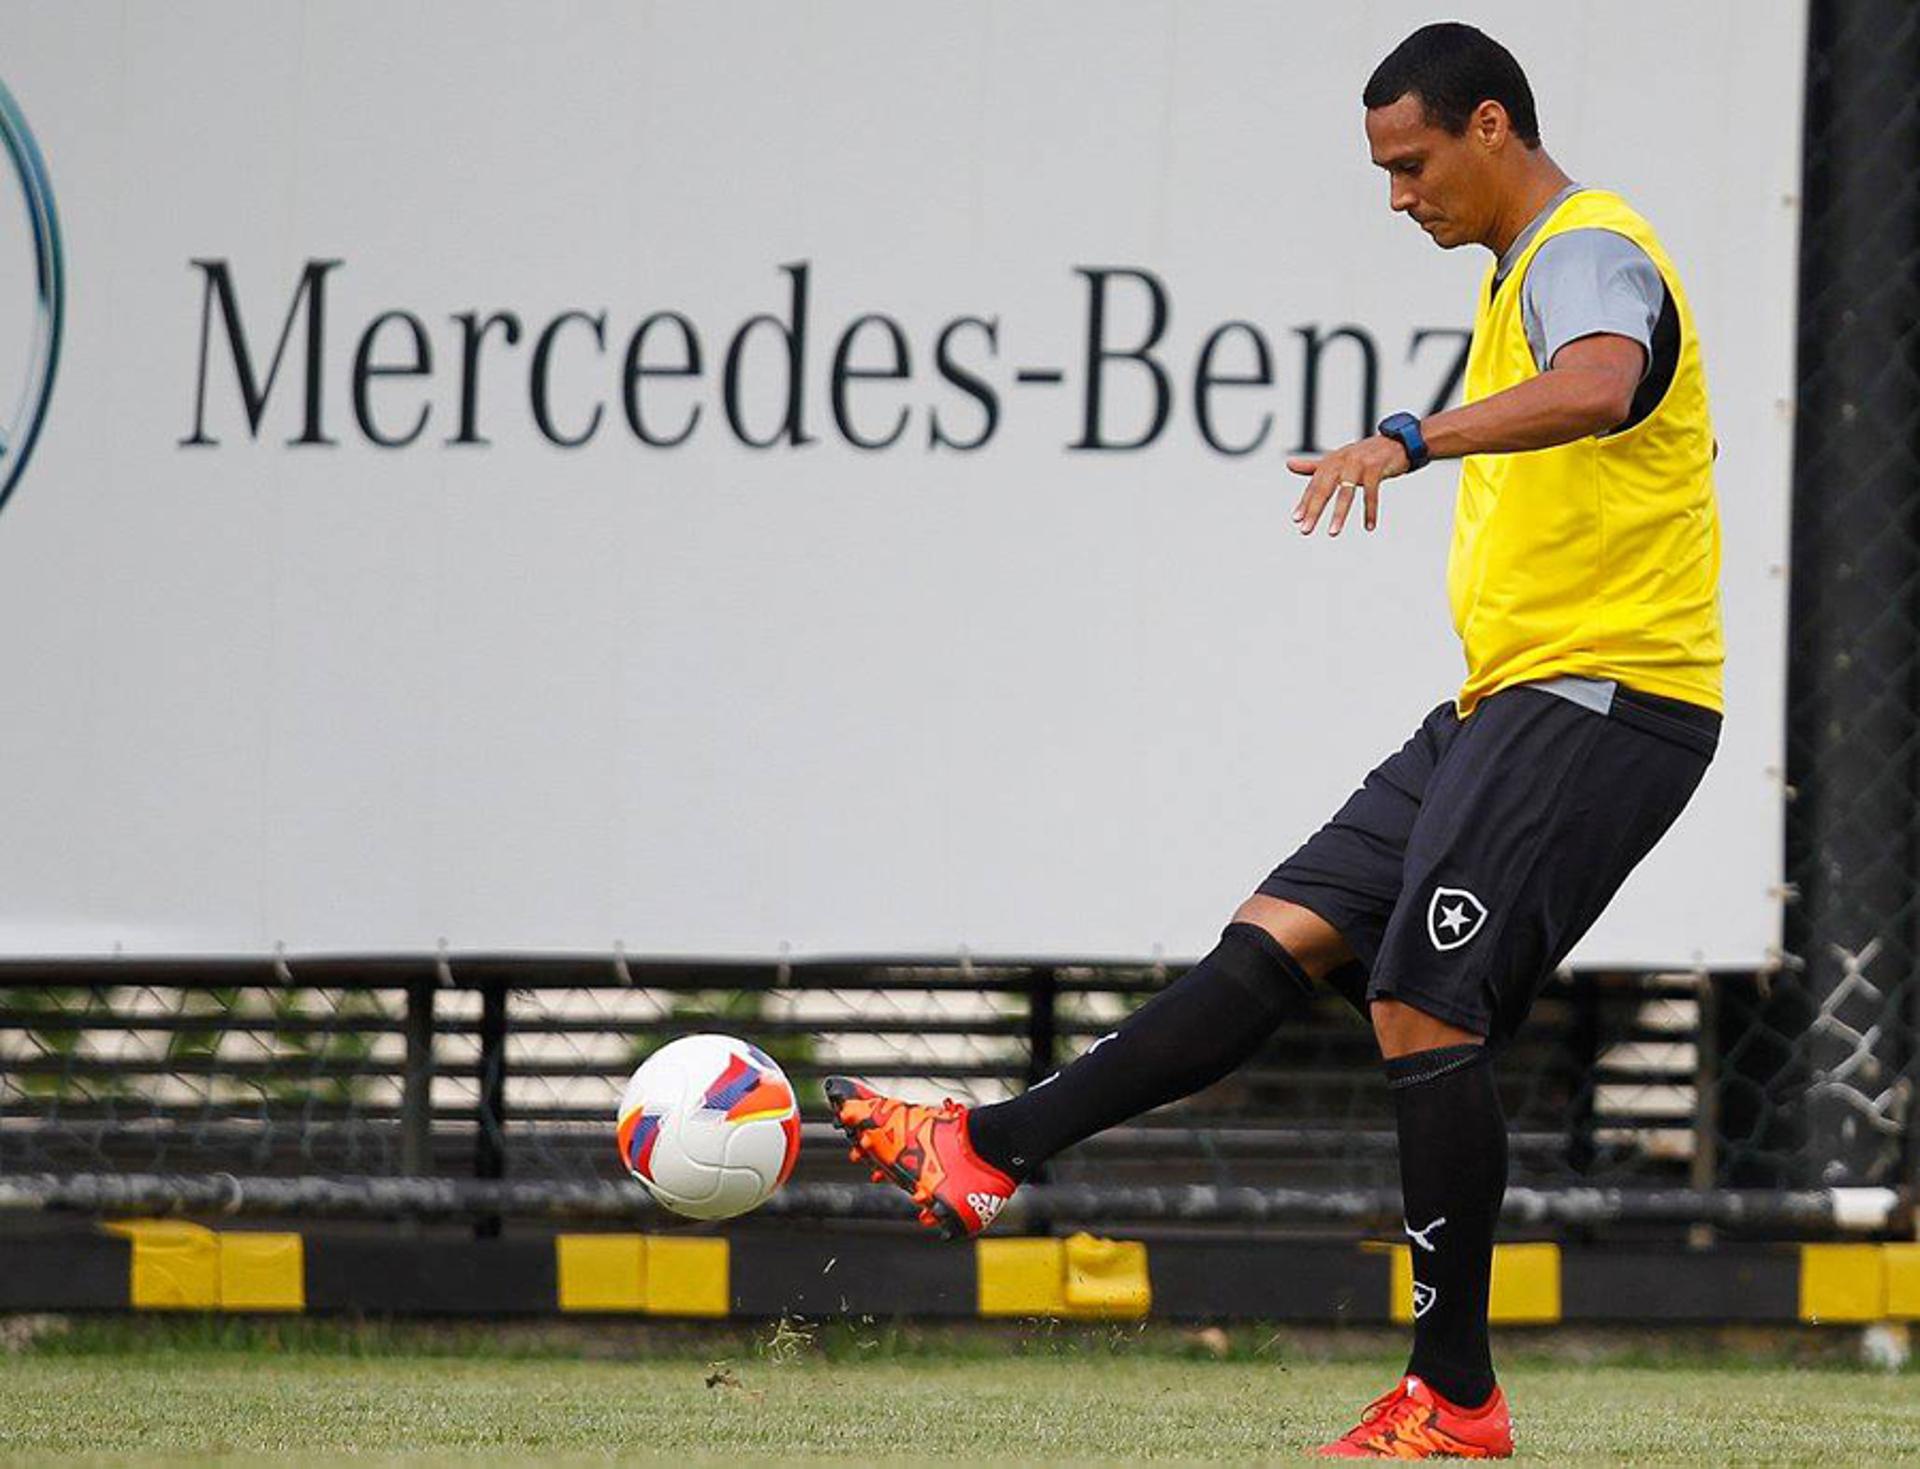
(1599,558)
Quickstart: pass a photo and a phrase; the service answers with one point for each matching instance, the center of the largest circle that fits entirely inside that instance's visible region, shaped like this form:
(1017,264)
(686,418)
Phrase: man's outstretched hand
(1338,477)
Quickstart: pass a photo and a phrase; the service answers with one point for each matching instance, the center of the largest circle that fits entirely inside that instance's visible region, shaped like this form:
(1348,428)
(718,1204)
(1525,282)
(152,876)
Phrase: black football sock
(1186,1037)
(1453,1175)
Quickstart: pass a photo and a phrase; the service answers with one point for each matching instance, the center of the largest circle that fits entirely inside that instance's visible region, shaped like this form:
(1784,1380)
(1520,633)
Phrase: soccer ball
(709,1124)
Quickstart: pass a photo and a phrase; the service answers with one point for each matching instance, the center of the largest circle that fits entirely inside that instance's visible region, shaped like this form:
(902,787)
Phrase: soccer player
(1584,583)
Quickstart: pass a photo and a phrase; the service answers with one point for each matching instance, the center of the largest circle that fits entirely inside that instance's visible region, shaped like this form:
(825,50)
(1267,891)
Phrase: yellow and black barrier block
(1730,1283)
(174,1265)
(178,1266)
(1854,1284)
(1267,1280)
(1079,1277)
(660,1275)
(71,1269)
(1525,1290)
(1903,1282)
(431,1275)
(848,1274)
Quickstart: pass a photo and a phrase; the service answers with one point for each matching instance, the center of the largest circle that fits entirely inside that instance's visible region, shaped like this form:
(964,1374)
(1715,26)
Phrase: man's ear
(1490,124)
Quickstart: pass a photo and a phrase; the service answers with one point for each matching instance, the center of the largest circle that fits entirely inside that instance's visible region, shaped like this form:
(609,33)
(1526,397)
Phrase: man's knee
(1403,1030)
(1315,944)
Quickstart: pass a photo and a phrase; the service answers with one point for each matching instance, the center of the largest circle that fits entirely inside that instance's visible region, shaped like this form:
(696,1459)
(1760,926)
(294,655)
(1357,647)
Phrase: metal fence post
(416,1088)
(1583,1045)
(1853,694)
(1043,992)
(490,1137)
(1706,1085)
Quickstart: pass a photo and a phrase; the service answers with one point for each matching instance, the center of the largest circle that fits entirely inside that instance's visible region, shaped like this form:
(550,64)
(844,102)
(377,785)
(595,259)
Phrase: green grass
(262,1398)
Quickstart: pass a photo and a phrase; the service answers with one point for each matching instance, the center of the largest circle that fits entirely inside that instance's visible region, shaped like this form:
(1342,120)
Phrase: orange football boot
(1412,1421)
(926,1150)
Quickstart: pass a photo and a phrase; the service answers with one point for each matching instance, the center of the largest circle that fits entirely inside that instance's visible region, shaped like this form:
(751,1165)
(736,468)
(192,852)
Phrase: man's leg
(1318,916)
(1527,827)
(1190,1035)
(961,1164)
(1453,1175)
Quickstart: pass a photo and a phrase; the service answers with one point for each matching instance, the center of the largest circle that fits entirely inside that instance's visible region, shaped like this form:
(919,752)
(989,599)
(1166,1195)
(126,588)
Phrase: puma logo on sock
(1419,1236)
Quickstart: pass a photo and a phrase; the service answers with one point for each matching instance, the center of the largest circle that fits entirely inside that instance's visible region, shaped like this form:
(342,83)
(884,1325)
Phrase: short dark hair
(1452,68)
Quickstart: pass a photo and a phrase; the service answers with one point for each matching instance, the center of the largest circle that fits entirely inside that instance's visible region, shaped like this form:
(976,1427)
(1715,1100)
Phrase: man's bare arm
(1588,389)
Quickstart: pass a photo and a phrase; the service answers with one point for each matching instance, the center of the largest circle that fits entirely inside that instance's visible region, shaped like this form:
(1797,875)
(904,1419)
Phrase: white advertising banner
(725,478)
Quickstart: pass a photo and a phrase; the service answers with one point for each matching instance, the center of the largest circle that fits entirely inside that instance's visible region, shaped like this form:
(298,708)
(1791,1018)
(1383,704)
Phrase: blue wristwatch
(1406,428)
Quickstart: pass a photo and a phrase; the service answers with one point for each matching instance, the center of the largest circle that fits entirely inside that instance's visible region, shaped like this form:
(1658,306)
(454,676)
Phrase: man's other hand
(1338,477)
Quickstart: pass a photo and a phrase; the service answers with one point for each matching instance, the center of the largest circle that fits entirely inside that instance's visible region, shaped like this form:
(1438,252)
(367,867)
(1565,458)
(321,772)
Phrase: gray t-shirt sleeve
(1587,281)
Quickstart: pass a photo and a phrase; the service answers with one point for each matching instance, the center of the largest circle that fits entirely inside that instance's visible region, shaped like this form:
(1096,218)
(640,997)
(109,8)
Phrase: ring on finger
(1347,484)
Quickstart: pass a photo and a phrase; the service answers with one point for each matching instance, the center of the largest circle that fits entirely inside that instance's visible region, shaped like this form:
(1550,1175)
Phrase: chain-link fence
(1798,1078)
(489,1068)
(1820,1087)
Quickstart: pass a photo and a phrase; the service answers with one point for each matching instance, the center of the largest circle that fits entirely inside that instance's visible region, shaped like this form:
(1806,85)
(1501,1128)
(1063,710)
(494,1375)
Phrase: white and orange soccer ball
(710,1125)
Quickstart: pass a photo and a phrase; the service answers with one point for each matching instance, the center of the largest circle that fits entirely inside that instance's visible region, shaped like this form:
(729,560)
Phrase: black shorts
(1469,863)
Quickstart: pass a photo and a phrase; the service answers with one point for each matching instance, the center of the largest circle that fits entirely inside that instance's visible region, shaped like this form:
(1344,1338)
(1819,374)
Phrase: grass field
(790,1400)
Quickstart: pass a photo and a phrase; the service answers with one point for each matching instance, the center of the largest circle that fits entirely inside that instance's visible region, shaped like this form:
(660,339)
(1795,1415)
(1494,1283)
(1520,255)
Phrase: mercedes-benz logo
(32,297)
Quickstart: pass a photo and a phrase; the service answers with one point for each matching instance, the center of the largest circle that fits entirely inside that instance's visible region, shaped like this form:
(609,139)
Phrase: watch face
(1406,428)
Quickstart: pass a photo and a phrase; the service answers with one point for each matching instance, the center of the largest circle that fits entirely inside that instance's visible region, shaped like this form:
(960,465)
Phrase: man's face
(1443,182)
